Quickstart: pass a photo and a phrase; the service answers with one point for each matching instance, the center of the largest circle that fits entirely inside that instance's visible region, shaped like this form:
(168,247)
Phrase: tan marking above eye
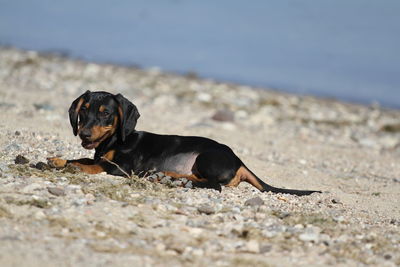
(102,108)
(87,105)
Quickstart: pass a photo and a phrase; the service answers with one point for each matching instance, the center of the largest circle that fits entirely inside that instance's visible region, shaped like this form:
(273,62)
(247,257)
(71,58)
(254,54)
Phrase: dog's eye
(105,113)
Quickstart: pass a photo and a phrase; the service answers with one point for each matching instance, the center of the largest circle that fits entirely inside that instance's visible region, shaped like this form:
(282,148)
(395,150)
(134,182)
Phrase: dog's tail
(251,178)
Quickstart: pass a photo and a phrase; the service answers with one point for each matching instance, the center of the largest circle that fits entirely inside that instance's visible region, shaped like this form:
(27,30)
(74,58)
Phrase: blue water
(347,49)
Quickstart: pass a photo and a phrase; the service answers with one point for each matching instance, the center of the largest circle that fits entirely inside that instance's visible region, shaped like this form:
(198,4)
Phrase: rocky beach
(54,217)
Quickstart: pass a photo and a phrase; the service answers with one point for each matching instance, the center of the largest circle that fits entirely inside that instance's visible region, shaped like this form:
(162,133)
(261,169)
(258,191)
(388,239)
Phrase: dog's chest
(181,163)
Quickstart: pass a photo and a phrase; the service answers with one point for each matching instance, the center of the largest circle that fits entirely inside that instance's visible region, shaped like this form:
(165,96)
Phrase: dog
(106,122)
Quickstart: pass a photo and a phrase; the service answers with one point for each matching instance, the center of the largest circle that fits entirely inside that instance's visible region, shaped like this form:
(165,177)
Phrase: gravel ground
(65,218)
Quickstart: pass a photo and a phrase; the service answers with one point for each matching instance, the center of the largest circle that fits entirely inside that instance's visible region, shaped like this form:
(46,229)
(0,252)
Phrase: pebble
(90,198)
(13,147)
(228,126)
(189,184)
(204,97)
(391,127)
(57,191)
(252,246)
(388,256)
(166,180)
(79,202)
(197,252)
(255,201)
(369,142)
(336,201)
(19,159)
(43,106)
(160,247)
(389,141)
(224,115)
(4,167)
(195,232)
(309,237)
(206,209)
(39,215)
(265,248)
(42,166)
(235,209)
(339,219)
(177,183)
(32,188)
(152,178)
(302,161)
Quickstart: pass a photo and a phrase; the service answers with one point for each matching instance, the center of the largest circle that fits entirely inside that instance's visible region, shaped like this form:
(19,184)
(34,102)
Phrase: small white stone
(197,252)
(339,219)
(252,246)
(204,97)
(189,184)
(309,237)
(310,234)
(39,215)
(228,126)
(100,234)
(241,114)
(196,232)
(160,247)
(303,161)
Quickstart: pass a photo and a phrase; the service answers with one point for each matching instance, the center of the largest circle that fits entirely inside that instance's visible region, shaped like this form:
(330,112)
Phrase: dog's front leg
(86,165)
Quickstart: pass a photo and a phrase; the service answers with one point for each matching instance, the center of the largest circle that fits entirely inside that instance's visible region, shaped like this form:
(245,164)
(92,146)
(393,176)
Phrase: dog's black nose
(85,133)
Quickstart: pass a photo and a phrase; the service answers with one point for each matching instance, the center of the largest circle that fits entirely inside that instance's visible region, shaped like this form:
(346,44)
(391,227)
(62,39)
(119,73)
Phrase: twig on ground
(132,179)
(116,165)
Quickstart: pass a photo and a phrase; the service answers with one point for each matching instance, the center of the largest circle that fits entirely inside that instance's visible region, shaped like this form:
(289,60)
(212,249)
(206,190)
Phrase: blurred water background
(346,49)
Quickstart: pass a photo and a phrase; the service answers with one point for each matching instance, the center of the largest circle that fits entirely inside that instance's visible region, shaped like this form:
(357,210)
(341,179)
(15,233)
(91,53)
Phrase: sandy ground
(60,218)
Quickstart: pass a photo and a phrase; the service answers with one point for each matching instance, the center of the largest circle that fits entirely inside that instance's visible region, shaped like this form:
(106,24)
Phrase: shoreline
(349,151)
(194,75)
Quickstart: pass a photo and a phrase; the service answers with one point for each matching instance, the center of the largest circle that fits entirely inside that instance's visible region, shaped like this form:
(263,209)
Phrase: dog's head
(96,116)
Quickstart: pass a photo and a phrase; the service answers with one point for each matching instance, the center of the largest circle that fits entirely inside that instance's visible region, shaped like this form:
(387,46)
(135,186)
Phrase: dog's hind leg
(216,167)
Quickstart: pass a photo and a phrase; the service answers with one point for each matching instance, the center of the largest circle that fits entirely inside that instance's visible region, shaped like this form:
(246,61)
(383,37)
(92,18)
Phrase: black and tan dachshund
(106,122)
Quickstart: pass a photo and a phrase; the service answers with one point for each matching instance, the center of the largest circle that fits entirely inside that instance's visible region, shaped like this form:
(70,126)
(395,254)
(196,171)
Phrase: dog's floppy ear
(74,111)
(128,115)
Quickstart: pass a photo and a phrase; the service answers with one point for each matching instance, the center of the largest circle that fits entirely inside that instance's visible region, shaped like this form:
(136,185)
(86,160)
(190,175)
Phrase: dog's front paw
(56,162)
